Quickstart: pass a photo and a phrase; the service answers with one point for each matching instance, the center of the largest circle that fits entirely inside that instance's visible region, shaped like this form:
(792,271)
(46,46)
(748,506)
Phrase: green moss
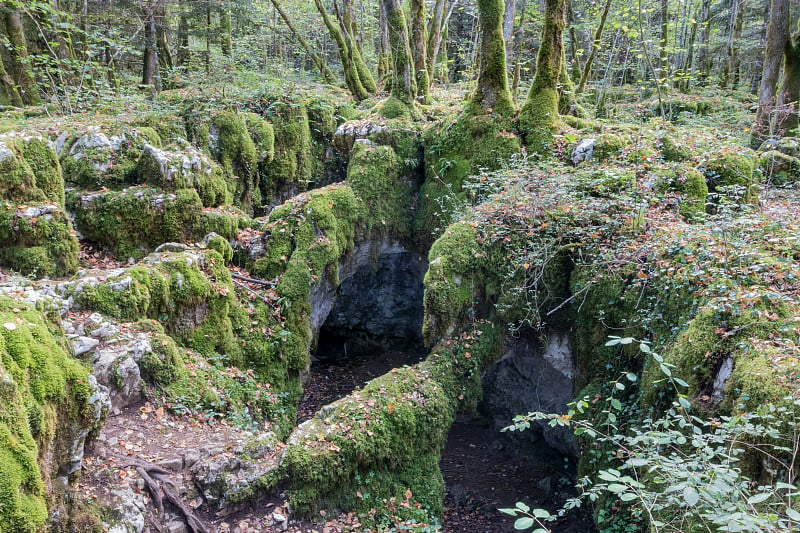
(393,107)
(37,240)
(376,175)
(778,168)
(132,222)
(672,152)
(92,159)
(610,145)
(224,220)
(733,169)
(447,292)
(294,160)
(222,247)
(641,156)
(19,181)
(263,135)
(37,376)
(605,182)
(689,182)
(164,365)
(41,156)
(538,121)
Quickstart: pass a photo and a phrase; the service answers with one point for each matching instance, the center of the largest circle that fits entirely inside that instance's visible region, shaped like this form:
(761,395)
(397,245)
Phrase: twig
(252,280)
(256,293)
(565,302)
(153,488)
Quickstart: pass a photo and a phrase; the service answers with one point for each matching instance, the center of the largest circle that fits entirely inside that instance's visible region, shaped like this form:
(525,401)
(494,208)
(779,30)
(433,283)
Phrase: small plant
(678,471)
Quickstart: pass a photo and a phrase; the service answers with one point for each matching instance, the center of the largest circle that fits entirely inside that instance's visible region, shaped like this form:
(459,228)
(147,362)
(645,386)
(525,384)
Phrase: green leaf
(509,511)
(541,513)
(691,496)
(626,340)
(628,496)
(616,488)
(644,348)
(758,498)
(684,402)
(523,523)
(631,376)
(609,475)
(679,381)
(794,515)
(616,404)
(524,508)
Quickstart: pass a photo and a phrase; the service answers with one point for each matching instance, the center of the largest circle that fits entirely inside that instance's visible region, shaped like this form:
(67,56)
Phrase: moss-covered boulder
(48,410)
(134,221)
(293,164)
(610,145)
(183,170)
(672,151)
(37,239)
(94,157)
(778,168)
(30,169)
(223,220)
(733,172)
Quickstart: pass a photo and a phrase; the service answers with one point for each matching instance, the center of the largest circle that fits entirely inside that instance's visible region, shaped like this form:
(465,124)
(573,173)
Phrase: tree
(538,118)
(17,79)
(777,39)
(419,45)
(404,85)
(492,90)
(790,85)
(598,35)
(327,75)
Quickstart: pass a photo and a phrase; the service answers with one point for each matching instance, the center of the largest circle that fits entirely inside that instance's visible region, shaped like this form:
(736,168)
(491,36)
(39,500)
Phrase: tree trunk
(183,54)
(419,38)
(492,90)
(509,15)
(384,47)
(8,89)
(663,56)
(348,28)
(538,118)
(437,37)
(20,63)
(225,30)
(573,43)
(327,74)
(759,66)
(150,74)
(734,37)
(787,119)
(688,64)
(598,35)
(705,33)
(777,38)
(351,76)
(404,87)
(517,55)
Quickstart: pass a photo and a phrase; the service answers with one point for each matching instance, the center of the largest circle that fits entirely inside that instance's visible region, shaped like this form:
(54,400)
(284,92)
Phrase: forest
(399,265)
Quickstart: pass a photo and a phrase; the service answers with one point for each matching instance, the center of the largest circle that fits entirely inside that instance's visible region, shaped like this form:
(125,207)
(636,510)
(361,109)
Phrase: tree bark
(705,33)
(20,62)
(598,36)
(734,37)
(183,54)
(663,56)
(790,86)
(225,30)
(327,74)
(150,74)
(759,67)
(419,44)
(404,86)
(492,91)
(539,115)
(777,38)
(351,76)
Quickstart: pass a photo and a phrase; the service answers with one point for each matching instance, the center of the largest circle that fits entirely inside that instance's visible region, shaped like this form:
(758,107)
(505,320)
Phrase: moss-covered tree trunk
(492,90)
(419,48)
(789,97)
(538,118)
(19,66)
(436,33)
(404,86)
(777,37)
(352,77)
(384,47)
(150,74)
(8,89)
(183,53)
(598,36)
(327,74)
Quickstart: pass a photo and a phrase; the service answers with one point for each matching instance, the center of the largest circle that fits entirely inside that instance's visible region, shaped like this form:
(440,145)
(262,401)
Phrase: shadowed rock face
(378,305)
(534,374)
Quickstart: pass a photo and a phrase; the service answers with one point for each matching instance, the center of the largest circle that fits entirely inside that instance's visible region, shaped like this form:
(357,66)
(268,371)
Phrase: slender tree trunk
(663,55)
(348,29)
(327,74)
(492,90)
(225,30)
(777,38)
(598,36)
(734,38)
(688,64)
(759,66)
(20,62)
(182,56)
(705,33)
(437,53)
(538,117)
(150,74)
(573,42)
(384,46)
(404,86)
(434,34)
(517,55)
(509,15)
(8,89)
(208,40)
(419,43)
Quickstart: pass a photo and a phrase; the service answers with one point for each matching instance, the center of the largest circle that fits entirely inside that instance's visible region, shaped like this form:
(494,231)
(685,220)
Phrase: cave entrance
(485,469)
(373,326)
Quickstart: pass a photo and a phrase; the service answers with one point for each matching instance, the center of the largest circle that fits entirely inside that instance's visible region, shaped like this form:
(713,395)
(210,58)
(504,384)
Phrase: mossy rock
(164,364)
(641,156)
(605,182)
(691,183)
(778,168)
(455,149)
(29,174)
(377,176)
(45,395)
(263,135)
(183,170)
(221,245)
(610,145)
(95,158)
(683,103)
(671,151)
(37,240)
(733,169)
(134,221)
(224,220)
(294,162)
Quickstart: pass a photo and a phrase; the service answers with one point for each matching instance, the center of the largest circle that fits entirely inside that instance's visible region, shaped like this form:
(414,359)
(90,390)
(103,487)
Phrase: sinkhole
(372,323)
